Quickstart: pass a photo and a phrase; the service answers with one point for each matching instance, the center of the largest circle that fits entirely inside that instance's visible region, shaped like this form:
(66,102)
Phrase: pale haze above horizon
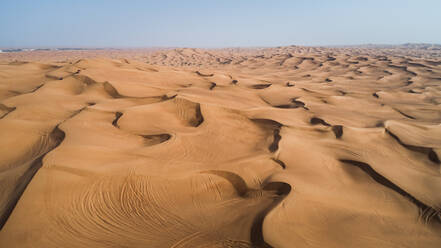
(51,23)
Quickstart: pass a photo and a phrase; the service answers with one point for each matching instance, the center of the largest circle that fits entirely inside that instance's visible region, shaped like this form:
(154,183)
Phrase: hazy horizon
(143,24)
(200,47)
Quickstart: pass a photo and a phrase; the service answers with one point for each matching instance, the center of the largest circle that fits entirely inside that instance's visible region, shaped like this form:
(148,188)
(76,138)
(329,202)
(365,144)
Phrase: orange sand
(276,147)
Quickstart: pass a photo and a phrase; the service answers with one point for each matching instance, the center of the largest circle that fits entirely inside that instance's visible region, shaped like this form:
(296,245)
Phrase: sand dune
(259,147)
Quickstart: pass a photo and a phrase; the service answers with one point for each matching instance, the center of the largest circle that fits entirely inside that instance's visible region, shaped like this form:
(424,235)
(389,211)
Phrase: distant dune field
(240,147)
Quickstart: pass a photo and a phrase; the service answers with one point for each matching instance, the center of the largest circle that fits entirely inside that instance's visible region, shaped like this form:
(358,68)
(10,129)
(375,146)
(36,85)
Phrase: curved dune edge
(255,148)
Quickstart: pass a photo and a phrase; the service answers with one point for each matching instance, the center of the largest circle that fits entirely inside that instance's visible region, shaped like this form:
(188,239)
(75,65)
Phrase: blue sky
(188,23)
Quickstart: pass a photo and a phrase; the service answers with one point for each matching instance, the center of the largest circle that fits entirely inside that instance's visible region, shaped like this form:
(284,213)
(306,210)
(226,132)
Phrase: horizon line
(33,48)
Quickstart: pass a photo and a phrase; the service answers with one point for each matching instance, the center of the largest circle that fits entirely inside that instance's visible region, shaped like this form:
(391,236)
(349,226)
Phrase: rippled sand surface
(272,147)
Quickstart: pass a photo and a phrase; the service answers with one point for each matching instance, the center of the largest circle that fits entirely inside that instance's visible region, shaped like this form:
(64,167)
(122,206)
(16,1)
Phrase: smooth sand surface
(264,147)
